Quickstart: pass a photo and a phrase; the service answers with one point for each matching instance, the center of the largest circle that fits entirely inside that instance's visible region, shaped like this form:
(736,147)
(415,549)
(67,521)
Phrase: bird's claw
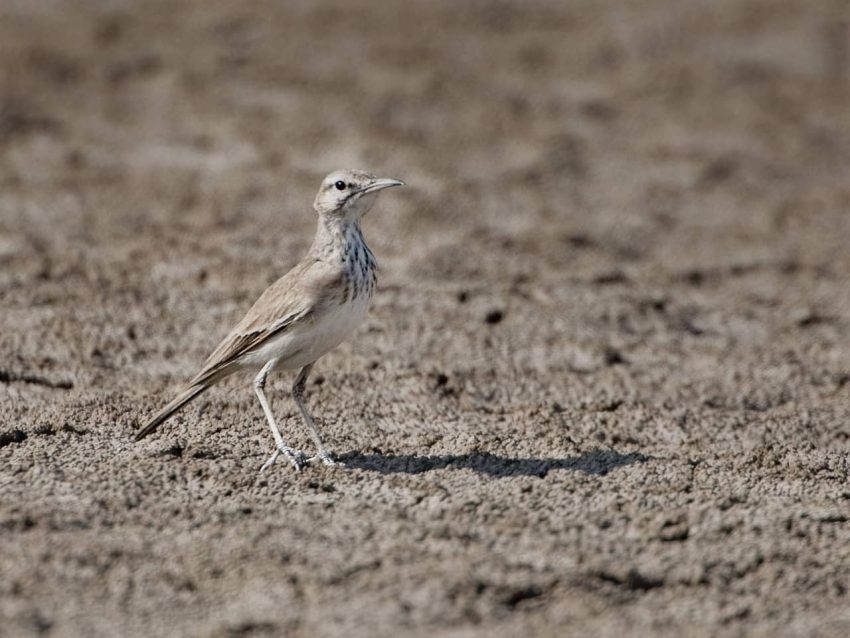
(323,456)
(299,459)
(296,458)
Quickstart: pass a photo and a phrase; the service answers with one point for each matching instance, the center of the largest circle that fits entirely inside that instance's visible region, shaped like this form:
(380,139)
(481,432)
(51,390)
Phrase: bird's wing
(291,300)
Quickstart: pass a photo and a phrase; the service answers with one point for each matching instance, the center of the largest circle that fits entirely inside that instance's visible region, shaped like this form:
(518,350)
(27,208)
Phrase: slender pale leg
(298,396)
(295,457)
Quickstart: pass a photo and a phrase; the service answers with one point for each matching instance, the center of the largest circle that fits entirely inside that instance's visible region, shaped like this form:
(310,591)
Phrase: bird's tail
(178,402)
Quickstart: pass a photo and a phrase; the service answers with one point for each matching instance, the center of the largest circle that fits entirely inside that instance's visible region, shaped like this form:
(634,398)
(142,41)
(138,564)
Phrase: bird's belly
(304,343)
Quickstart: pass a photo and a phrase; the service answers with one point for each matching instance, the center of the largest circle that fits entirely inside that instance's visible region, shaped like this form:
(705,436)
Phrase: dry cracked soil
(604,387)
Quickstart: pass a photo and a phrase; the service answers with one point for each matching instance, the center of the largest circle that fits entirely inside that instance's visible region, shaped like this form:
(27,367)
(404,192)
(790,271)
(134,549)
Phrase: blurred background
(614,294)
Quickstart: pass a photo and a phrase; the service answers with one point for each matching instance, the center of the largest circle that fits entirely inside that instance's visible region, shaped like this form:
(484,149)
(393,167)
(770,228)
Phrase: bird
(303,315)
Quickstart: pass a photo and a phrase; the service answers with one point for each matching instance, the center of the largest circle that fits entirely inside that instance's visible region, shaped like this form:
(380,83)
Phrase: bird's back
(305,313)
(290,301)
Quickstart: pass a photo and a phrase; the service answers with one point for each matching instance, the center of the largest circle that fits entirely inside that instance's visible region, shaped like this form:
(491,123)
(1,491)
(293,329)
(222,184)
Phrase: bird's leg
(298,396)
(295,457)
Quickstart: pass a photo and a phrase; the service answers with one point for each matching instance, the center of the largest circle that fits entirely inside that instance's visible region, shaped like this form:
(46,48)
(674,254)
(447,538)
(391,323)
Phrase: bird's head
(349,194)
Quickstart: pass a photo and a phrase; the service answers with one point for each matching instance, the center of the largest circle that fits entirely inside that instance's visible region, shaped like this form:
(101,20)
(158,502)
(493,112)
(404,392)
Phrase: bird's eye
(340,185)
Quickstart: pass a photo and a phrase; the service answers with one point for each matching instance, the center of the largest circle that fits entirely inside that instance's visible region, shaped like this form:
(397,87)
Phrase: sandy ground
(604,386)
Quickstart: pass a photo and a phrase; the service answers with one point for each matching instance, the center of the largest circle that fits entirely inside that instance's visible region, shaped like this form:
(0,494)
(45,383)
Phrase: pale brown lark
(305,313)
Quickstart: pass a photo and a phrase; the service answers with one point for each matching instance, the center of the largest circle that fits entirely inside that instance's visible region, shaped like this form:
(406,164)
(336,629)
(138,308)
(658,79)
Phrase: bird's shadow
(597,462)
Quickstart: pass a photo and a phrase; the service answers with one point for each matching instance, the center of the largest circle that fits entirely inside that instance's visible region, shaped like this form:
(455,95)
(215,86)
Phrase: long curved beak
(381,184)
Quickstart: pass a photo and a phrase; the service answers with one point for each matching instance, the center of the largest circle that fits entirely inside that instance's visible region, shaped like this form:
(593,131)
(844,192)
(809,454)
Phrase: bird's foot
(323,456)
(297,458)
